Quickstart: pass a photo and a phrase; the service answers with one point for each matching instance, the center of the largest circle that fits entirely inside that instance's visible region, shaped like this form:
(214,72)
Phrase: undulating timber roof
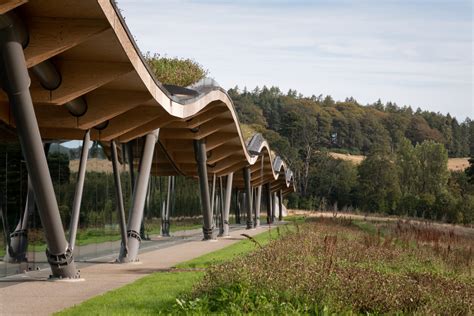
(91,46)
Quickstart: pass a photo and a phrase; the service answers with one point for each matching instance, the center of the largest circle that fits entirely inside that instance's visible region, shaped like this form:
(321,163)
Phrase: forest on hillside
(405,172)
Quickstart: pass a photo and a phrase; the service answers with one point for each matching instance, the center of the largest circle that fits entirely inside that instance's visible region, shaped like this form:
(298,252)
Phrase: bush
(175,71)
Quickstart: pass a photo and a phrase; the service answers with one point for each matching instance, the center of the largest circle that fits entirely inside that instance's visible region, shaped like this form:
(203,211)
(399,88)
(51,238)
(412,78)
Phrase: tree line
(405,171)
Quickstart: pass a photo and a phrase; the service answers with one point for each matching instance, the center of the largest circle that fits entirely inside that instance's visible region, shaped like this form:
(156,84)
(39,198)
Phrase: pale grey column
(268,194)
(165,230)
(16,84)
(258,203)
(138,200)
(119,199)
(237,207)
(17,244)
(76,205)
(280,205)
(221,207)
(248,197)
(213,199)
(227,201)
(274,198)
(201,159)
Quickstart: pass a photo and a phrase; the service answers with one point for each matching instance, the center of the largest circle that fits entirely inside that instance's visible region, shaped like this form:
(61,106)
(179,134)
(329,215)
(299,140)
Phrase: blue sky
(417,53)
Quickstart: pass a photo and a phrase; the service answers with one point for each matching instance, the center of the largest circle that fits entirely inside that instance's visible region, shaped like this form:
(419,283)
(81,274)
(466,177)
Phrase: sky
(412,52)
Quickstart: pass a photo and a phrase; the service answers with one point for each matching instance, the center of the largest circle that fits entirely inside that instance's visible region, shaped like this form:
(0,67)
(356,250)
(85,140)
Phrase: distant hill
(55,147)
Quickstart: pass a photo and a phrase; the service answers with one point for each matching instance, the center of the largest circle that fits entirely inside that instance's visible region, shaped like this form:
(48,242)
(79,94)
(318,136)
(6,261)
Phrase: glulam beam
(52,36)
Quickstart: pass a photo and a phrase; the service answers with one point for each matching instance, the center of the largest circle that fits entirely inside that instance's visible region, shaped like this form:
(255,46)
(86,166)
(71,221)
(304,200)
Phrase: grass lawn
(87,236)
(157,292)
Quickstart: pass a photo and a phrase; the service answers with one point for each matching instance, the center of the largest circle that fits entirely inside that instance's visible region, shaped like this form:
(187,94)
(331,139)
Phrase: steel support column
(258,204)
(76,205)
(274,197)
(16,83)
(201,159)
(222,218)
(268,194)
(213,199)
(165,220)
(227,201)
(119,199)
(131,169)
(237,207)
(280,205)
(248,197)
(138,200)
(18,239)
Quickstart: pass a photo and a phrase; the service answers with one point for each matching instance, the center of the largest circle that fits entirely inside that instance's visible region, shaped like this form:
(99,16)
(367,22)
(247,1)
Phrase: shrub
(175,71)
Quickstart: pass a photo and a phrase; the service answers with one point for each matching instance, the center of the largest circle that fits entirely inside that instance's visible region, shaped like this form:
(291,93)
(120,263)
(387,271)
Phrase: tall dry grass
(337,265)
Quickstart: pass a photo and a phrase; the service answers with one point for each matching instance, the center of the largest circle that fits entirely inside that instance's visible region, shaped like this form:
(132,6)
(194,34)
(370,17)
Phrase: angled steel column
(248,197)
(119,199)
(138,200)
(173,203)
(129,147)
(280,205)
(16,84)
(17,242)
(222,218)
(268,194)
(226,202)
(237,207)
(201,159)
(76,205)
(274,198)
(163,216)
(166,214)
(258,204)
(243,206)
(213,199)
(18,239)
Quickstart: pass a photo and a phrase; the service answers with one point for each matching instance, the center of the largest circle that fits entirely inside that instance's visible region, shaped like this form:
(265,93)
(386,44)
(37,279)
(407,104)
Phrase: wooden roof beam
(226,164)
(175,145)
(215,140)
(206,117)
(127,121)
(232,168)
(79,78)
(52,36)
(142,129)
(103,105)
(8,5)
(59,133)
(204,130)
(221,153)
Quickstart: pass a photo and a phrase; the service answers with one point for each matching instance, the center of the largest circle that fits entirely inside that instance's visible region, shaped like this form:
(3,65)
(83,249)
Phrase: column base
(249,225)
(131,254)
(208,234)
(62,265)
(16,251)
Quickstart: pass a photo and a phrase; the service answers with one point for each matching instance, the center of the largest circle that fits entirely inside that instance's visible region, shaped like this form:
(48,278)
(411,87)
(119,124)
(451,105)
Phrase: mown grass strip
(158,292)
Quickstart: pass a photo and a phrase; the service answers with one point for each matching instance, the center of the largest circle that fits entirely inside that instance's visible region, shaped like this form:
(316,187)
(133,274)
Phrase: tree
(433,173)
(378,189)
(418,131)
(470,171)
(408,167)
(58,164)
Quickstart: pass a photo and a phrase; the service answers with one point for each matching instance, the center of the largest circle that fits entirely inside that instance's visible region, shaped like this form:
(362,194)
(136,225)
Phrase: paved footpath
(32,294)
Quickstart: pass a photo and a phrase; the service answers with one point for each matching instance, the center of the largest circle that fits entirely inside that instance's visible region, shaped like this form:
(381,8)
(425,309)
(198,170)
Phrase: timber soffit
(170,109)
